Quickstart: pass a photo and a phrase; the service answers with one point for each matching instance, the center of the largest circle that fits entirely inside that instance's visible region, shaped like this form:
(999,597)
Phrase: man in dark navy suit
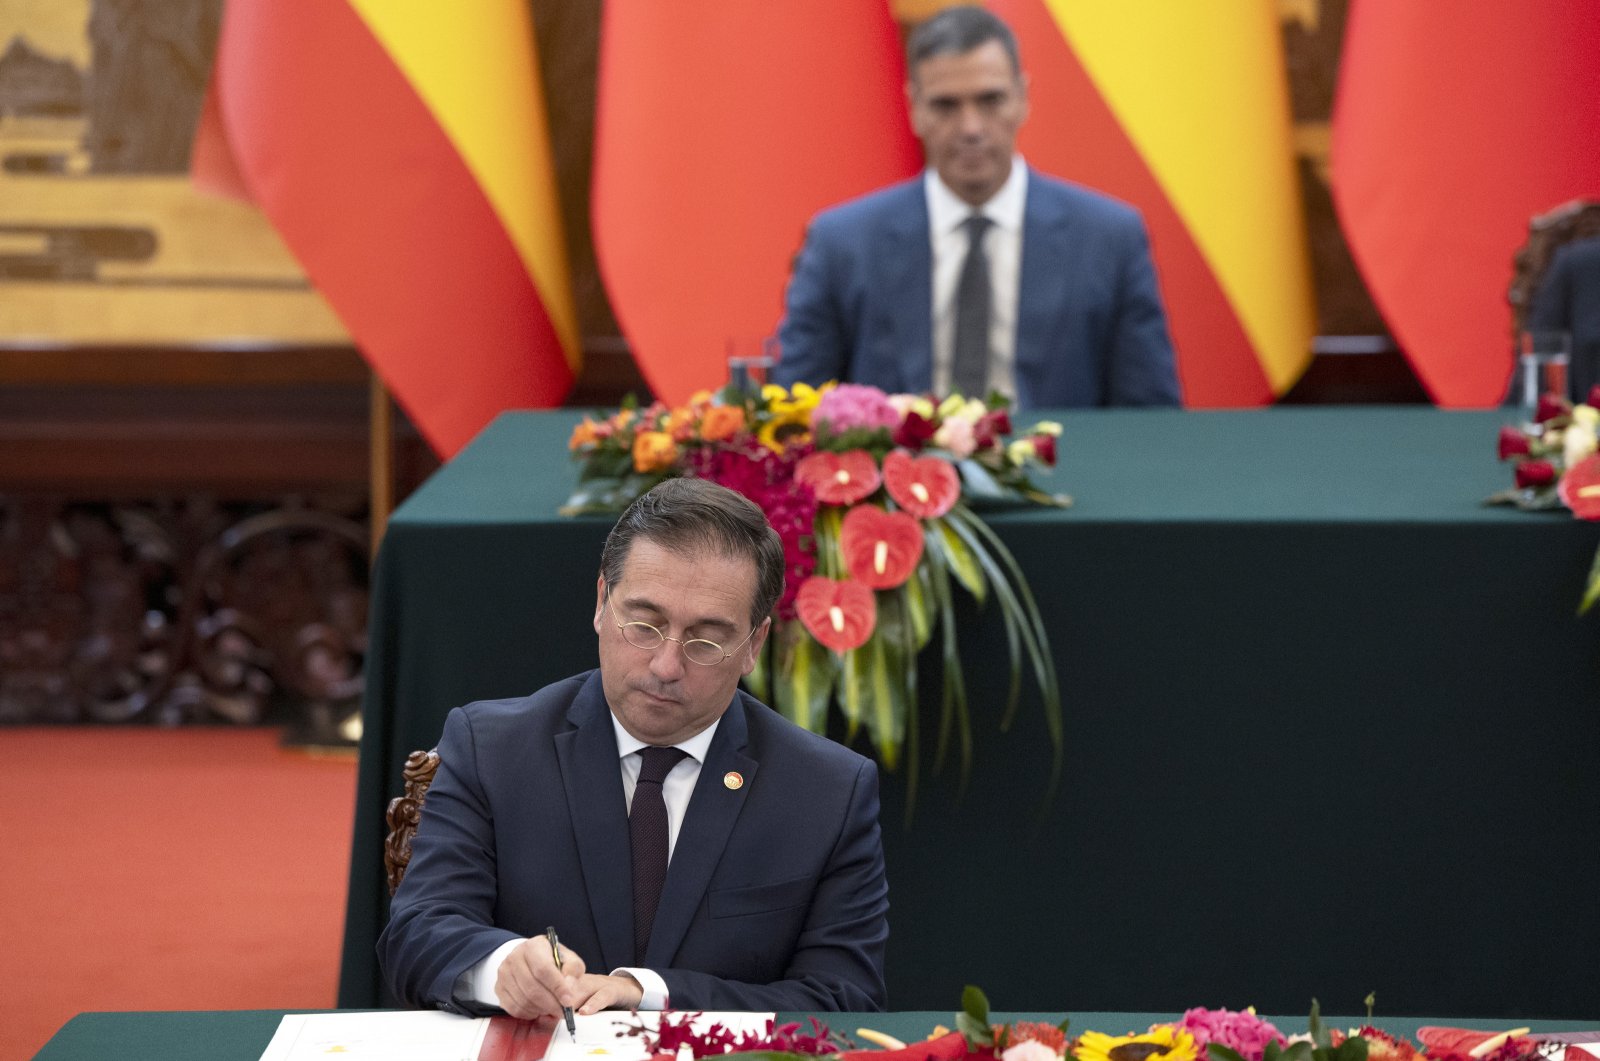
(980,274)
(688,845)
(1568,299)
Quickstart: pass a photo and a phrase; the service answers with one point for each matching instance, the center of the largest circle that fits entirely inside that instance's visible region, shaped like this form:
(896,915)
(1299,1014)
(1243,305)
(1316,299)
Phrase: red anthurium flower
(839,478)
(1580,488)
(1536,473)
(915,431)
(924,486)
(1551,406)
(1044,447)
(840,615)
(1513,443)
(880,548)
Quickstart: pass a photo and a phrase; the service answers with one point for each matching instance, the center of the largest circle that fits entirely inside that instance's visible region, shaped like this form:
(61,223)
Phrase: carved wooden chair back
(1547,233)
(404,813)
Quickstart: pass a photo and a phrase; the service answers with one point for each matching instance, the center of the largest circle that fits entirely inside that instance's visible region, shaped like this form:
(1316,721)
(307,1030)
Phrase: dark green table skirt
(242,1036)
(1332,726)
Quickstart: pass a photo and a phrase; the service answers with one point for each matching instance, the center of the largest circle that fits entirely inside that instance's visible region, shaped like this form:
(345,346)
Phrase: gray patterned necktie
(969,367)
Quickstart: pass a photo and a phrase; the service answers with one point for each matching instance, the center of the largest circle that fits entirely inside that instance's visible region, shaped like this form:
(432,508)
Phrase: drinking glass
(1542,360)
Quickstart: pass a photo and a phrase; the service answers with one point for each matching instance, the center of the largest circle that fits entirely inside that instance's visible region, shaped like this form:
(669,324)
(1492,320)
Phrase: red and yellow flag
(1455,124)
(722,127)
(1182,110)
(400,148)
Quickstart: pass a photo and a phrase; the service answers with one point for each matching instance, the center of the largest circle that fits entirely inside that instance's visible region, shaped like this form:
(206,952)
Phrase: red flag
(400,151)
(722,128)
(1453,125)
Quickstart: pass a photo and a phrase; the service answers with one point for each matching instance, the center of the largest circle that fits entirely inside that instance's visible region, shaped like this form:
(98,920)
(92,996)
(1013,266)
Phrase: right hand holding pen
(529,985)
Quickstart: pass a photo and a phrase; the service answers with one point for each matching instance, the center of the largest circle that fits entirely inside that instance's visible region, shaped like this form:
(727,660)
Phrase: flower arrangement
(1214,1035)
(1556,465)
(873,496)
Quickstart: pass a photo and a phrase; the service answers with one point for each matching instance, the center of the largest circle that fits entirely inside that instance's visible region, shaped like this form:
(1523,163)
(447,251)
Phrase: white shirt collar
(696,746)
(947,210)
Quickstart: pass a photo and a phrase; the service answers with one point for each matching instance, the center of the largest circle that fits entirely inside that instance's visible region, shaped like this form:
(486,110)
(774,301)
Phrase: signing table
(242,1036)
(1332,726)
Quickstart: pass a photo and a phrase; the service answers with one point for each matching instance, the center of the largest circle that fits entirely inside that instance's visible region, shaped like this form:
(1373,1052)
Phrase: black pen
(555,952)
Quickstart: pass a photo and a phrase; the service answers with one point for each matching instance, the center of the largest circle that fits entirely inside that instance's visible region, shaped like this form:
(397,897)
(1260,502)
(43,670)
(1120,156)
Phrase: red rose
(915,431)
(990,427)
(1536,473)
(1551,406)
(1513,443)
(1044,447)
(1593,400)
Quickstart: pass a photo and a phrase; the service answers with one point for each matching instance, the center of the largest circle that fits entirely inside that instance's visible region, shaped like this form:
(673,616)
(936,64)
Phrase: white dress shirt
(1002,243)
(477,983)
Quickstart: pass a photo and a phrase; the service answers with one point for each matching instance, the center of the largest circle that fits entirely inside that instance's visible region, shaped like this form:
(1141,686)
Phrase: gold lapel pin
(733,780)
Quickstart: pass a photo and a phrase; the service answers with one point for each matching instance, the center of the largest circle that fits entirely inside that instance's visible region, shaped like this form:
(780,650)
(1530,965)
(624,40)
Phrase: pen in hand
(555,952)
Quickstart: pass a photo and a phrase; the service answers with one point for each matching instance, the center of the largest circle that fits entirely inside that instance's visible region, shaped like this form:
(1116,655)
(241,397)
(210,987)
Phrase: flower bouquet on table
(1557,465)
(1198,1035)
(875,498)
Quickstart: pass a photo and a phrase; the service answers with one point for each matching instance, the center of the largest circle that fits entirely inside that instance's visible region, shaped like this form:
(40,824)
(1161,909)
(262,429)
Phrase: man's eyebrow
(645,604)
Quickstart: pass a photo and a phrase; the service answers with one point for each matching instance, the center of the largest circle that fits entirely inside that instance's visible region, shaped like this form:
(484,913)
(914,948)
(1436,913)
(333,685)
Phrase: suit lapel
(907,263)
(713,810)
(1046,262)
(593,781)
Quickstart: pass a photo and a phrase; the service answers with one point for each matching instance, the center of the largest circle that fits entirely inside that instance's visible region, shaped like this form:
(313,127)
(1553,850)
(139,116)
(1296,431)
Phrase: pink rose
(956,435)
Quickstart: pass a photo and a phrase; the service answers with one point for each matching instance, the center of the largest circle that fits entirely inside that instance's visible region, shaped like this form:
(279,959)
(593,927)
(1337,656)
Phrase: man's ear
(599,601)
(753,646)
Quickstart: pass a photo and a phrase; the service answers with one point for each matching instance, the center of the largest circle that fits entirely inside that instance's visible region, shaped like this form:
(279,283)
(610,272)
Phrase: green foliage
(973,1020)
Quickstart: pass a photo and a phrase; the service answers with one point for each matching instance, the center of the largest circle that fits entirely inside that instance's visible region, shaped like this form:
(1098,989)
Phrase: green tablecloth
(242,1036)
(1331,724)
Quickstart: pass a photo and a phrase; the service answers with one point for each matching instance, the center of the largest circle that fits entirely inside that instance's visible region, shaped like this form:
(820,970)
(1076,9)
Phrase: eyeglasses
(695,650)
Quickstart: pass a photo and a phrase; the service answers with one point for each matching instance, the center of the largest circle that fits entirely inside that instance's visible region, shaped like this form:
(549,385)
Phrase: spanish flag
(1181,109)
(723,125)
(1454,125)
(400,149)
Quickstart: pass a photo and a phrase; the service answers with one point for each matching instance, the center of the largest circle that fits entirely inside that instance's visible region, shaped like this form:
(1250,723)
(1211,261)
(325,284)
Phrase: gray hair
(694,515)
(956,31)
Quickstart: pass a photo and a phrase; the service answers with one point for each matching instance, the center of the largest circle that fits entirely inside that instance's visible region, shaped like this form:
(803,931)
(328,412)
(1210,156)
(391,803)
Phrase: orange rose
(583,434)
(722,422)
(680,424)
(653,451)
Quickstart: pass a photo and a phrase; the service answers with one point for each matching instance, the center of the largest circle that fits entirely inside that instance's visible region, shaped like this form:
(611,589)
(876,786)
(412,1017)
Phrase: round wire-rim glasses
(642,635)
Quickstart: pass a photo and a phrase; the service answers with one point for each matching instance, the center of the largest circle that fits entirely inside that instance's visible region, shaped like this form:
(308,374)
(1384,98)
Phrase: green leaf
(973,1020)
(1219,1052)
(958,557)
(875,681)
(1016,601)
(1352,1049)
(1319,1034)
(1300,1051)
(919,604)
(1591,592)
(805,673)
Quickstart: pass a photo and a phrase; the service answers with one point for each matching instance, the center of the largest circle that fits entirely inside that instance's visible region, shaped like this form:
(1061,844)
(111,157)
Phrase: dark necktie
(969,368)
(647,833)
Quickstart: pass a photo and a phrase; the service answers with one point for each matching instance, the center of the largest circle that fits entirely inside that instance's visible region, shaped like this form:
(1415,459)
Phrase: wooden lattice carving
(404,813)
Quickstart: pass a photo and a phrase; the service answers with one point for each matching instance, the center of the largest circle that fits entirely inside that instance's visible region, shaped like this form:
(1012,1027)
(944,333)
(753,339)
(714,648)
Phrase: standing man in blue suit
(981,274)
(687,844)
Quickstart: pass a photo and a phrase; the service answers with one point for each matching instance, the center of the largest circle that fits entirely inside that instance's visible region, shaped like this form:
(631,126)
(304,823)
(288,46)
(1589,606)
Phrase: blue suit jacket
(1569,299)
(1090,326)
(775,899)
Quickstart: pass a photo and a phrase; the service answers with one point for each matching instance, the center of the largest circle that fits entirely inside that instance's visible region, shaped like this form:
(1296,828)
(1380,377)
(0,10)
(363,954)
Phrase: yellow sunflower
(788,418)
(1161,1043)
